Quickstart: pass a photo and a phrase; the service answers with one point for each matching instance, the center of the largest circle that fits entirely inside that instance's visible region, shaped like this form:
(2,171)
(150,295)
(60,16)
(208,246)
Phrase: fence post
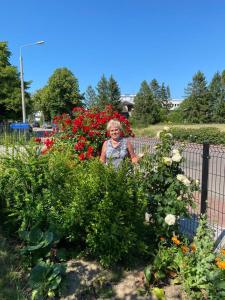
(205,176)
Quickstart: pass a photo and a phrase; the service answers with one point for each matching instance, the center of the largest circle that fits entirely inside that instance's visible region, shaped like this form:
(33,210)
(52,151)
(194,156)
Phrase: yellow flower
(175,240)
(193,247)
(221,264)
(184,249)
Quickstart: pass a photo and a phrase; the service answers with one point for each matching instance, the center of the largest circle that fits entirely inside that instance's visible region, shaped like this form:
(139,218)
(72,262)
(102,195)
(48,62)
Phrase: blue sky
(134,40)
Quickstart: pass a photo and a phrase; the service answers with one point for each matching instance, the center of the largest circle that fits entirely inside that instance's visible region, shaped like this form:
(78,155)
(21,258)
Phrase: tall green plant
(169,191)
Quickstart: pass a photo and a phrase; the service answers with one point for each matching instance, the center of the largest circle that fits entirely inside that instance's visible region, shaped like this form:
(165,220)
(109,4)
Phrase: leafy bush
(168,190)
(194,265)
(210,135)
(107,211)
(87,203)
(45,280)
(199,274)
(46,274)
(32,185)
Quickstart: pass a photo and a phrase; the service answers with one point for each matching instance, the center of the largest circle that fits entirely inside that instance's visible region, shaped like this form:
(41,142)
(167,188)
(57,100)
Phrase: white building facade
(128,102)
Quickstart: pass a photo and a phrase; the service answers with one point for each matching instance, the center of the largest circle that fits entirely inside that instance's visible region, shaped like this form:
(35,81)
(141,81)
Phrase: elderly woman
(117,148)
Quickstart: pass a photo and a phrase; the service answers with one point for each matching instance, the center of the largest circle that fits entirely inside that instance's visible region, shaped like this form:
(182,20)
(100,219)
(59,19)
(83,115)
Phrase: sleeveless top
(116,155)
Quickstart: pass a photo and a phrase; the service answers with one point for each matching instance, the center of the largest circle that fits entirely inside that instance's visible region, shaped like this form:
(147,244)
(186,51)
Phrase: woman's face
(114,132)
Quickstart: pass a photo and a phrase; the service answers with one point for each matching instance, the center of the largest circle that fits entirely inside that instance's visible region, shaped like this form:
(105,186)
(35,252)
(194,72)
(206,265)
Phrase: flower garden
(61,202)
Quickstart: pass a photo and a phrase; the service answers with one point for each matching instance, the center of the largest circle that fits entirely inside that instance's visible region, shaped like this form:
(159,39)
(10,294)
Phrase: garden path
(86,280)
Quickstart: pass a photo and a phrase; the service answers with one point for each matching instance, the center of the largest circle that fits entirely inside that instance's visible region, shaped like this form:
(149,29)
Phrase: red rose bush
(84,131)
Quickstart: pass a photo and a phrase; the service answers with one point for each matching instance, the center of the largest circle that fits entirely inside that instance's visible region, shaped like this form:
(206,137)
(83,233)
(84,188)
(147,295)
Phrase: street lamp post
(22,80)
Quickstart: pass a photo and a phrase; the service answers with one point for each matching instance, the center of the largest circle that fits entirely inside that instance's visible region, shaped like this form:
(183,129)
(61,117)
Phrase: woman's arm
(103,153)
(133,156)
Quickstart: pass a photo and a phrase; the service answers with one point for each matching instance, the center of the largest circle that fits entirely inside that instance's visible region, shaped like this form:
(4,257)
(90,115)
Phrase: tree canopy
(90,97)
(10,92)
(146,107)
(60,94)
(195,108)
(108,92)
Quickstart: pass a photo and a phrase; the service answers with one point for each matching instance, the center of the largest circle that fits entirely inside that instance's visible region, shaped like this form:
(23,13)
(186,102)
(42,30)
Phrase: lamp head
(40,42)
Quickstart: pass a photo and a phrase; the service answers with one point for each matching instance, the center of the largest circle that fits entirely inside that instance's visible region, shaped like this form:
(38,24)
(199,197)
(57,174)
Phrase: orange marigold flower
(193,247)
(221,264)
(162,238)
(184,248)
(222,251)
(175,240)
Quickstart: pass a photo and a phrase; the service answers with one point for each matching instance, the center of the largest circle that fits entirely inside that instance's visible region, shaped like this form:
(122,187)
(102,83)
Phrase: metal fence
(205,163)
(9,135)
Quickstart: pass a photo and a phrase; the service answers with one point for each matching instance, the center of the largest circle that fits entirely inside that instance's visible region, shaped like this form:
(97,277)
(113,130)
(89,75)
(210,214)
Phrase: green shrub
(200,276)
(34,189)
(210,135)
(86,203)
(169,191)
(192,263)
(107,211)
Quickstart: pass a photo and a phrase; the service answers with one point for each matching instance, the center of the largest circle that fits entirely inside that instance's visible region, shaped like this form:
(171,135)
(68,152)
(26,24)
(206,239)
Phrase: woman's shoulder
(106,142)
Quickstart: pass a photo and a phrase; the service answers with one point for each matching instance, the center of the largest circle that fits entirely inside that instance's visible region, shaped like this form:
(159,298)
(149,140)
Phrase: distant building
(175,103)
(128,103)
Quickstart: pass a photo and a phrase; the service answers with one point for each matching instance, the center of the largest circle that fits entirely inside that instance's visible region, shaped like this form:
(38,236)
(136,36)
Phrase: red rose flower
(81,156)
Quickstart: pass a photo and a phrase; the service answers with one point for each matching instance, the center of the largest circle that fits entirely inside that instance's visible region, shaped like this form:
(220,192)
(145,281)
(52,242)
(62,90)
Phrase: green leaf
(147,272)
(220,285)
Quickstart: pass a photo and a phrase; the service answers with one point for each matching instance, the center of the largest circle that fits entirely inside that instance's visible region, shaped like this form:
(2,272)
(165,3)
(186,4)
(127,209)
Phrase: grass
(152,130)
(12,277)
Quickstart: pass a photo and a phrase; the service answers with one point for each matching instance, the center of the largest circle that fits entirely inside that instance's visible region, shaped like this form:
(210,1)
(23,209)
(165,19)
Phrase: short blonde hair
(114,123)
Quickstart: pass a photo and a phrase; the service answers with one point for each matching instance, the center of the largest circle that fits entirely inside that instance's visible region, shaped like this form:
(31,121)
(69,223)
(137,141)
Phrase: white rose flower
(170,219)
(180,177)
(169,135)
(167,161)
(166,128)
(196,182)
(158,134)
(176,157)
(183,179)
(175,151)
(186,182)
(147,217)
(155,169)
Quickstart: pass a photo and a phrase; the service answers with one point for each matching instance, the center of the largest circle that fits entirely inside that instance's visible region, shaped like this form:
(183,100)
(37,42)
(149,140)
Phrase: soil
(89,281)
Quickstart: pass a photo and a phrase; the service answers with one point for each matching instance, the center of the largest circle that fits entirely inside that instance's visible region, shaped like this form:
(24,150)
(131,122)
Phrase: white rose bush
(169,191)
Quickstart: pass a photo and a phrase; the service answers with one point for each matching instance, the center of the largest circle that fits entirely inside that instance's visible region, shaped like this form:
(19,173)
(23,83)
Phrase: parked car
(47,126)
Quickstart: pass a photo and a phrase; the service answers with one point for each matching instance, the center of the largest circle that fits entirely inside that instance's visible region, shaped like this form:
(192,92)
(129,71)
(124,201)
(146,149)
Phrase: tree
(165,97)
(155,88)
(103,93)
(90,97)
(146,108)
(114,94)
(218,95)
(60,94)
(215,89)
(195,108)
(168,92)
(10,93)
